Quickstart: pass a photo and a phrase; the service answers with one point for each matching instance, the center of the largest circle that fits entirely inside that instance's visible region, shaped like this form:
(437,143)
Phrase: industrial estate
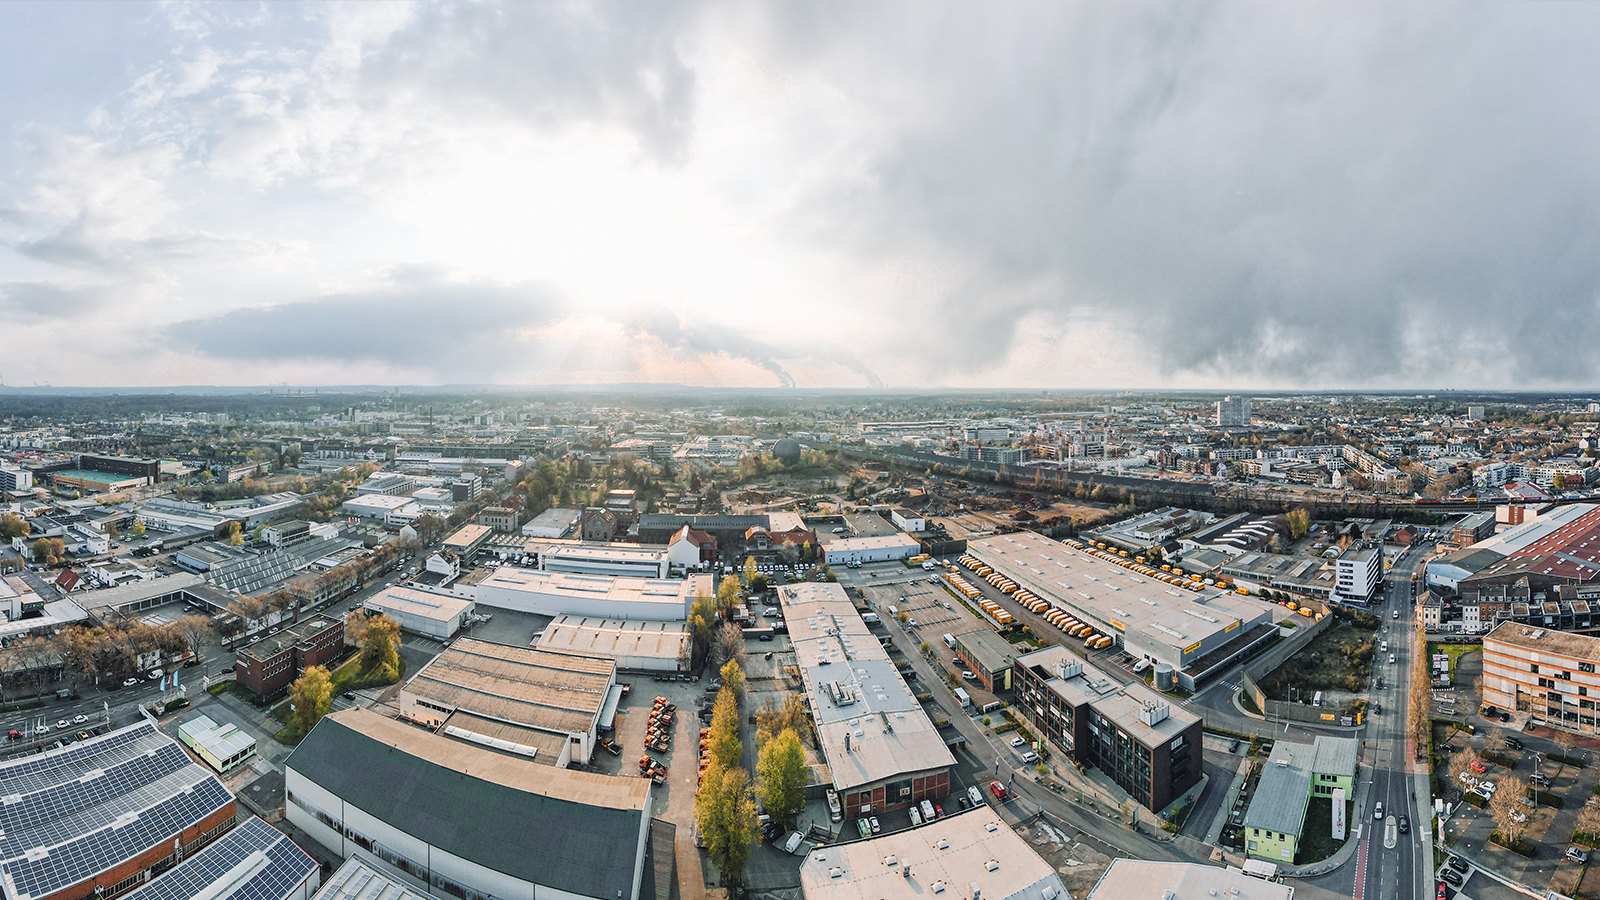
(291,645)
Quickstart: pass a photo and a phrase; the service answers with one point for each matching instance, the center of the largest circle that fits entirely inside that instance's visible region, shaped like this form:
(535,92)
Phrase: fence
(1261,666)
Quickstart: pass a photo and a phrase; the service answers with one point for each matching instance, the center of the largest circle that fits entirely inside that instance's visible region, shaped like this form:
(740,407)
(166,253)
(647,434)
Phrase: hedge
(1521,846)
(1565,760)
(1490,756)
(1545,798)
(1475,799)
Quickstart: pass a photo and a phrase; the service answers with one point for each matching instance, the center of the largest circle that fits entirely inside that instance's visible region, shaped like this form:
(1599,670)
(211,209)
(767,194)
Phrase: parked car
(873,821)
(968,675)
(1577,854)
(1513,743)
(1452,876)
(975,795)
(1458,863)
(1017,741)
(864,828)
(998,789)
(764,636)
(129,682)
(1030,757)
(1540,779)
(1479,767)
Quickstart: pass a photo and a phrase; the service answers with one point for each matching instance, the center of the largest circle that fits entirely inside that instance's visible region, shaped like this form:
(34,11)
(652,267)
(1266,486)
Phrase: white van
(927,810)
(1317,700)
(949,641)
(1140,666)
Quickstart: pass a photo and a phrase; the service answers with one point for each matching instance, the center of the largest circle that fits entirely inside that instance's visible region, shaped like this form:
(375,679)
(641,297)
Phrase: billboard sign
(1338,814)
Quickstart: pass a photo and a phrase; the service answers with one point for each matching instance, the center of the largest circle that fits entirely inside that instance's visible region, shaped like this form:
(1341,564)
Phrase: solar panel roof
(252,862)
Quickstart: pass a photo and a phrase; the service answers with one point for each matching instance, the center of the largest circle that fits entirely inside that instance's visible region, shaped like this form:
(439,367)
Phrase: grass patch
(1454,651)
(354,674)
(1586,839)
(1520,845)
(1317,841)
(1339,659)
(1248,701)
(235,688)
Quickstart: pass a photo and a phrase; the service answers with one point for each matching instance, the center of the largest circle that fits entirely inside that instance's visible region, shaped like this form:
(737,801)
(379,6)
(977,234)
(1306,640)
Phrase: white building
(437,616)
(907,520)
(15,479)
(377,506)
(970,855)
(588,558)
(1233,411)
(1357,573)
(553,524)
(1140,879)
(870,549)
(607,596)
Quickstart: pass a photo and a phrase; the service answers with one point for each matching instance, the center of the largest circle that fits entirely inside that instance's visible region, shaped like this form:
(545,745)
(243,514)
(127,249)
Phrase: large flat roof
(74,813)
(946,857)
(574,831)
(670,592)
(600,636)
(873,542)
(856,693)
(556,691)
(358,880)
(422,604)
(561,548)
(1141,879)
(1117,595)
(1564,643)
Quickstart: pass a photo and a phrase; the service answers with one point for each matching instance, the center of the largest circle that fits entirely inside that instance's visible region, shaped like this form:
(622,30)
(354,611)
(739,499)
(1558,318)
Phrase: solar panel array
(252,862)
(68,815)
(22,811)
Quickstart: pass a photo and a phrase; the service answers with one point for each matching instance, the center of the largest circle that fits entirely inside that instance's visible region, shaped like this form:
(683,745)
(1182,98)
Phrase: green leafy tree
(235,534)
(733,680)
(781,776)
(725,813)
(379,638)
(311,696)
(13,527)
(727,596)
(1299,523)
(727,751)
(138,528)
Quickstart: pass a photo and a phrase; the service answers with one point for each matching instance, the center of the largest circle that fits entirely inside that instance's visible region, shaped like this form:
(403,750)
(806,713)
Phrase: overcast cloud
(918,193)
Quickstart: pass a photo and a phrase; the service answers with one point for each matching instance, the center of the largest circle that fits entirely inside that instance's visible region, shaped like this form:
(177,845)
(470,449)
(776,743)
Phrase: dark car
(1459,863)
(764,637)
(1405,824)
(1452,876)
(1513,743)
(1492,712)
(1448,747)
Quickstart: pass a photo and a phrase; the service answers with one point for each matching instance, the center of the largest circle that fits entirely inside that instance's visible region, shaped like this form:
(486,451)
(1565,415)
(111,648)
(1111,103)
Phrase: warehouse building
(1129,732)
(553,524)
(878,548)
(544,701)
(468,540)
(881,749)
(988,656)
(468,820)
(102,815)
(437,616)
(586,558)
(271,664)
(1197,632)
(970,855)
(252,862)
(377,506)
(606,596)
(637,646)
(223,747)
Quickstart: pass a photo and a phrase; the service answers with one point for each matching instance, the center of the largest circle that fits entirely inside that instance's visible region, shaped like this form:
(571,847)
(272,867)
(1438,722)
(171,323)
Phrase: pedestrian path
(1220,820)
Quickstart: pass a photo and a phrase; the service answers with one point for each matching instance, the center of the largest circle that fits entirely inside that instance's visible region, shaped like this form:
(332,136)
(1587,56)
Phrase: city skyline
(1219,197)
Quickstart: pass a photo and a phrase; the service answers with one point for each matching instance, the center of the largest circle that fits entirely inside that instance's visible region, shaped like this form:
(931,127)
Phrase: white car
(63,724)
(79,720)
(129,682)
(1017,742)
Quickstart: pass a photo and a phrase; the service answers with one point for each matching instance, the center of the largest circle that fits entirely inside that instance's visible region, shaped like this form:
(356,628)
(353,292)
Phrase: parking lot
(1549,828)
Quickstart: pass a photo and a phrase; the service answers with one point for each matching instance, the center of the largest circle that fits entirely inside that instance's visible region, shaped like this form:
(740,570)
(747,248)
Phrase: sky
(901,194)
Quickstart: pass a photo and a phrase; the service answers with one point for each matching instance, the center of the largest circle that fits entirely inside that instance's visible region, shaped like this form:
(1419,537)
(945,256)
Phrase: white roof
(945,858)
(1140,879)
(421,604)
(878,542)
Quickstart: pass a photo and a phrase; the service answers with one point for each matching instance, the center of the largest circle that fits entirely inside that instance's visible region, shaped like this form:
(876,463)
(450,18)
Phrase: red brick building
(271,664)
(110,809)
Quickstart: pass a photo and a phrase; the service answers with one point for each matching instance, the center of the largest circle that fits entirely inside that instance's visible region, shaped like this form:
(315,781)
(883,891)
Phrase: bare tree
(1508,819)
(195,630)
(1589,822)
(728,645)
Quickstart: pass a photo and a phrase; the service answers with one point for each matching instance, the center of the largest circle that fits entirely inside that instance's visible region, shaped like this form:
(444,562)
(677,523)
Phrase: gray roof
(357,880)
(576,847)
(1334,756)
(1279,804)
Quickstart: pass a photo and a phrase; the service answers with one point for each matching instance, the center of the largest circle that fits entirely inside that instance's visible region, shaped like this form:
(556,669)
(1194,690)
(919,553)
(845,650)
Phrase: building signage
(1231,626)
(1191,648)
(1338,814)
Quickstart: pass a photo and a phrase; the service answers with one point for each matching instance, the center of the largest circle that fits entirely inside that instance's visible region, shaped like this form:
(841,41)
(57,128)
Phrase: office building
(468,820)
(1132,734)
(15,479)
(467,541)
(988,656)
(1292,776)
(1472,529)
(272,663)
(223,747)
(881,749)
(1548,676)
(1358,573)
(553,523)
(466,487)
(973,854)
(583,558)
(104,815)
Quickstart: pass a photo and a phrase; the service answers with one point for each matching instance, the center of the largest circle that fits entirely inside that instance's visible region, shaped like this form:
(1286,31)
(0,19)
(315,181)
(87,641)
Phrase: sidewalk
(1214,832)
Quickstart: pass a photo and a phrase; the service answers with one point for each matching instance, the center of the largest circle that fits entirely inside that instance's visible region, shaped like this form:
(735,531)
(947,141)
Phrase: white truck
(964,697)
(949,640)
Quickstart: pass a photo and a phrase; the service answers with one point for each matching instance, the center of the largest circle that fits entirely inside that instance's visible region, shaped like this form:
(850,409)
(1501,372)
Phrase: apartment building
(1548,675)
